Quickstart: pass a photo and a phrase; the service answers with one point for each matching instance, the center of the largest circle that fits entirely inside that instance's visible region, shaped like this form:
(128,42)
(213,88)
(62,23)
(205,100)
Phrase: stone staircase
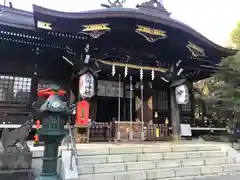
(152,162)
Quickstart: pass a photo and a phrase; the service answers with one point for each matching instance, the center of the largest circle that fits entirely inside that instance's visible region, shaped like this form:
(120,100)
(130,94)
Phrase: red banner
(82,113)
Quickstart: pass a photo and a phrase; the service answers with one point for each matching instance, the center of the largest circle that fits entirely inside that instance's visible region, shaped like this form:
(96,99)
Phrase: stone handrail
(73,148)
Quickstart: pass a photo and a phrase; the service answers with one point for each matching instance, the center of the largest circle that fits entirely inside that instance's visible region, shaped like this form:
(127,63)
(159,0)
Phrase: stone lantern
(53,114)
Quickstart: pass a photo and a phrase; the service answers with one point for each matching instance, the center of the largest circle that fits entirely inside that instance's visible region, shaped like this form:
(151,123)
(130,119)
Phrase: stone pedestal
(15,160)
(16,164)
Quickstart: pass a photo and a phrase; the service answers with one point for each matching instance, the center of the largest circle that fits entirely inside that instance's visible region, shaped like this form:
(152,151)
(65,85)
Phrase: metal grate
(162,100)
(15,89)
(186,107)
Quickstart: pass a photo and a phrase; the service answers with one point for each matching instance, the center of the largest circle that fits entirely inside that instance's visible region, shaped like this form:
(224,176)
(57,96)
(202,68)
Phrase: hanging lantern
(182,95)
(141,74)
(82,113)
(86,86)
(126,71)
(153,75)
(113,70)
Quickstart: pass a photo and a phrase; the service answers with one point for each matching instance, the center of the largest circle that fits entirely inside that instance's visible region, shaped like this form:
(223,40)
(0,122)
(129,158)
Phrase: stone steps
(89,151)
(153,174)
(148,165)
(154,162)
(123,158)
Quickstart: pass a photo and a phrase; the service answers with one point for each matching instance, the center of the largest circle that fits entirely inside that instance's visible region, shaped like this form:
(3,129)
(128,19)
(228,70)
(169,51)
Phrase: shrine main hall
(139,65)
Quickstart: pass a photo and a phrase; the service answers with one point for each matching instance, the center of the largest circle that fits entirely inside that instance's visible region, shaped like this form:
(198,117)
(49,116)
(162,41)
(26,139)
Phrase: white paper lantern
(86,86)
(182,95)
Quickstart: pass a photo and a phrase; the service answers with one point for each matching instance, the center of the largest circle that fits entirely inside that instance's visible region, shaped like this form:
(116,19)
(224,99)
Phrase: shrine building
(135,56)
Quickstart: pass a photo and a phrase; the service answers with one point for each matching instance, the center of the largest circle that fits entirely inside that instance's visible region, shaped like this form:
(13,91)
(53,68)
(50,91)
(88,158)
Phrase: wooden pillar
(174,115)
(193,103)
(34,86)
(35,79)
(124,101)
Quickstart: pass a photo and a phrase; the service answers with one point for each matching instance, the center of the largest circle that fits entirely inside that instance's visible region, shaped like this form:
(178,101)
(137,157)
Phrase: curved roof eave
(25,20)
(132,13)
(16,18)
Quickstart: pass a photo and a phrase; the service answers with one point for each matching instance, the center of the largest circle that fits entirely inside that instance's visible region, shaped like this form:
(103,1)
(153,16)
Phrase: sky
(213,18)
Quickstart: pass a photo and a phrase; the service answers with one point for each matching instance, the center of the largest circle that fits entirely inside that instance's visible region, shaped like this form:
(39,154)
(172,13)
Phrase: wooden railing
(100,132)
(157,132)
(104,131)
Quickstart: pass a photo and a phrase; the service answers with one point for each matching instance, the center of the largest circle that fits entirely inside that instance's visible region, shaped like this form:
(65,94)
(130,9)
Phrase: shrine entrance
(107,108)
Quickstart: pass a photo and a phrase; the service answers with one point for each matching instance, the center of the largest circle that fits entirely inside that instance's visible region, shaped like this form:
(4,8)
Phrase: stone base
(48,178)
(68,172)
(27,174)
(15,160)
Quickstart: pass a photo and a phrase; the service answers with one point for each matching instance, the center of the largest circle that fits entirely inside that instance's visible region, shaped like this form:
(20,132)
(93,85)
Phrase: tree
(224,87)
(227,86)
(225,83)
(235,36)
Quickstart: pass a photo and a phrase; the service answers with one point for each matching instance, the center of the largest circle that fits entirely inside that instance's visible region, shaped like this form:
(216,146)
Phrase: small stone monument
(15,155)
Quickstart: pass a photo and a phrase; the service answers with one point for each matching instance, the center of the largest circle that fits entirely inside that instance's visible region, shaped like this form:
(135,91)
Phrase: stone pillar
(175,116)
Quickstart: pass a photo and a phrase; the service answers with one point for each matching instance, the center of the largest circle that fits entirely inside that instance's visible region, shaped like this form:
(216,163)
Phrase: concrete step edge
(164,160)
(155,160)
(175,169)
(146,176)
(200,177)
(140,145)
(107,151)
(96,155)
